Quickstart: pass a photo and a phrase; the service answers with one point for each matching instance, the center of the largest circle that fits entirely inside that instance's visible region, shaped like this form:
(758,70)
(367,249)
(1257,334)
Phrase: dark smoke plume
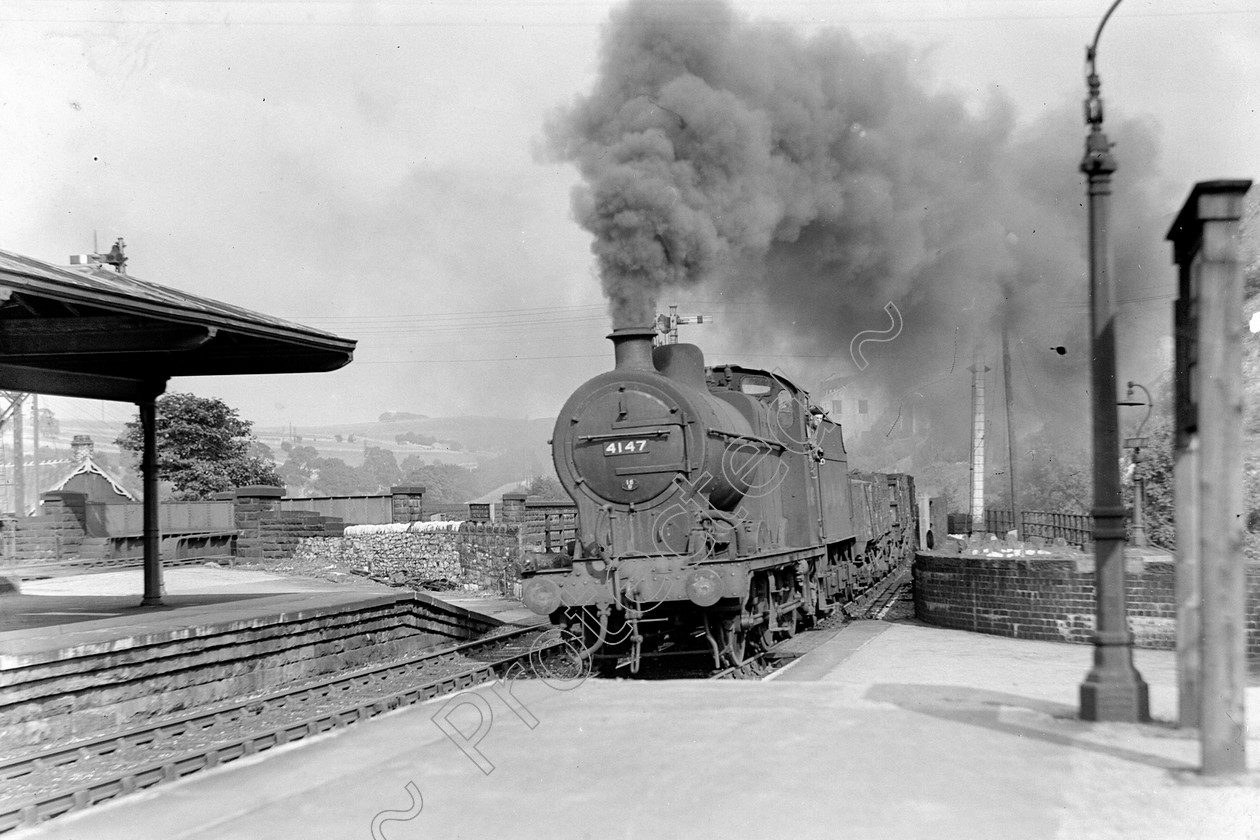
(816,178)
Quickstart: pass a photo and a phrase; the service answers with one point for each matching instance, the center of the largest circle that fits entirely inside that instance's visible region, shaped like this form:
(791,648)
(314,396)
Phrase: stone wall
(1051,596)
(549,525)
(488,556)
(426,554)
(106,686)
(56,533)
(267,533)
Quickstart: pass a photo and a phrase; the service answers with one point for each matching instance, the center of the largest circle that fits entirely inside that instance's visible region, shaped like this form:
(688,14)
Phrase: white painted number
(625,447)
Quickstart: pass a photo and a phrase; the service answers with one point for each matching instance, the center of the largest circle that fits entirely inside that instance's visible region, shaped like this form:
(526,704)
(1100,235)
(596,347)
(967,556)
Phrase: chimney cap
(632,348)
(646,331)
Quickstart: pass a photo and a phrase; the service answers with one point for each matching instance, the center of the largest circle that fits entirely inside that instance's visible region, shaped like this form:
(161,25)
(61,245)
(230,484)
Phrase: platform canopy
(91,332)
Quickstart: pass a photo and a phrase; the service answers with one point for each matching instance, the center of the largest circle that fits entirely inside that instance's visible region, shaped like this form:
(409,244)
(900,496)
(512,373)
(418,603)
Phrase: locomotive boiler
(715,509)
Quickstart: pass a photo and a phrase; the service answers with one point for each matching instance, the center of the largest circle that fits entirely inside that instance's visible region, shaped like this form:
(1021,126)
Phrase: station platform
(885,730)
(68,612)
(79,656)
(53,612)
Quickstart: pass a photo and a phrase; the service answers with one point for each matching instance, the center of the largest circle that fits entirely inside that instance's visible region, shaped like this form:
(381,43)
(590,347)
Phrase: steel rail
(873,600)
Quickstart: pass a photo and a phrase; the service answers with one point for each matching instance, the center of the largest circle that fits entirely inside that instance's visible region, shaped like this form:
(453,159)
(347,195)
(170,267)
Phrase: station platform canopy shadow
(92,332)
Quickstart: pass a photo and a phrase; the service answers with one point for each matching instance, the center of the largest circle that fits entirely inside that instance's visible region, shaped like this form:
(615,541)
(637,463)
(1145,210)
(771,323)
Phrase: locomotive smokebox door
(628,442)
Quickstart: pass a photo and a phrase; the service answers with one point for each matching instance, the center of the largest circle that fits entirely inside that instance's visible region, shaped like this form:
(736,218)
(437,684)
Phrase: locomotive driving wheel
(734,641)
(765,638)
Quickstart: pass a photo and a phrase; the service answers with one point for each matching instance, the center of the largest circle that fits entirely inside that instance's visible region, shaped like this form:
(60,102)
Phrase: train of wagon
(715,511)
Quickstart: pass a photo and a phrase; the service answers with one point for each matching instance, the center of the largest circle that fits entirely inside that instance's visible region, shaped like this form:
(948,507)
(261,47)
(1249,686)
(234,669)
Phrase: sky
(398,173)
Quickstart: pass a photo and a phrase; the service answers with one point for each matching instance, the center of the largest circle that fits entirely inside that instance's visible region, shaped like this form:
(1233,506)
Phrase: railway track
(52,782)
(875,603)
(42,785)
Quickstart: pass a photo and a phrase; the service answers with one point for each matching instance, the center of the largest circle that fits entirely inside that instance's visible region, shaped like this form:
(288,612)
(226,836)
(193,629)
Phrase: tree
(380,470)
(203,447)
(548,488)
(299,468)
(334,477)
(443,483)
(1250,244)
(1055,474)
(1156,468)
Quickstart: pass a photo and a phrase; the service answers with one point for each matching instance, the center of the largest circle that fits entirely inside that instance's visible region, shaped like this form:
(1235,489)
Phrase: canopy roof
(91,332)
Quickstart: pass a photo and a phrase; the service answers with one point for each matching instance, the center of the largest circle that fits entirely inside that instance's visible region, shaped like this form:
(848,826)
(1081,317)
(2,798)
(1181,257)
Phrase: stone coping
(1136,558)
(55,643)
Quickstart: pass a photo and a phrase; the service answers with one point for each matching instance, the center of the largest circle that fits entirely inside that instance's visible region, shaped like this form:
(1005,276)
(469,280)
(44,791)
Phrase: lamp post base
(1114,690)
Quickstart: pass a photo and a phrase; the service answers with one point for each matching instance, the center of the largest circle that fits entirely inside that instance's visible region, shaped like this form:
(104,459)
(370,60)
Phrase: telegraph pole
(1016,519)
(977,443)
(1113,690)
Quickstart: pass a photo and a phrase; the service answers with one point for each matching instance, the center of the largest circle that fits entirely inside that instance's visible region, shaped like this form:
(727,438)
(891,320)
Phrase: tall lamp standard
(1113,690)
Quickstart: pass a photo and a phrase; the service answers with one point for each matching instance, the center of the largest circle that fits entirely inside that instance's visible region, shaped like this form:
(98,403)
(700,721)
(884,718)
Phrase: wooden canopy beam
(95,335)
(63,383)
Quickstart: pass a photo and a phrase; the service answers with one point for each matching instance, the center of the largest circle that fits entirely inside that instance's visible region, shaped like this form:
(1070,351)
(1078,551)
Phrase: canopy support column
(153,586)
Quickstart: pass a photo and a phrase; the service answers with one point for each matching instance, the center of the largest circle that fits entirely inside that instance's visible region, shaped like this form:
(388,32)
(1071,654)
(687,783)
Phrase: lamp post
(1139,475)
(1113,690)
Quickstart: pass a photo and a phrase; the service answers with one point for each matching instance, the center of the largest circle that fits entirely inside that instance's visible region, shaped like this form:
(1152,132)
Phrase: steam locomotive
(715,510)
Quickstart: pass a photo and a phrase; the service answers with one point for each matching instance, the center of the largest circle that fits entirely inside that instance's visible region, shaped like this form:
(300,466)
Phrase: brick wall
(1053,598)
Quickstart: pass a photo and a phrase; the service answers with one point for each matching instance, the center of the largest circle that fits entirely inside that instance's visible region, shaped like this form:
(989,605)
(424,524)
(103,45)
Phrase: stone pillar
(69,507)
(406,504)
(250,503)
(57,531)
(513,510)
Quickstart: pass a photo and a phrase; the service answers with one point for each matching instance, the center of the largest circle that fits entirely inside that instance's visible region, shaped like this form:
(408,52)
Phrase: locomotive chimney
(632,347)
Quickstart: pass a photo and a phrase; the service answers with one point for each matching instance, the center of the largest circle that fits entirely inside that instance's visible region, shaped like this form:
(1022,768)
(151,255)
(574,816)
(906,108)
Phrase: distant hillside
(482,438)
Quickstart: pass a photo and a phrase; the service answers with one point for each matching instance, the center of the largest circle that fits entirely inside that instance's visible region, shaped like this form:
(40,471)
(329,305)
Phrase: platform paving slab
(910,732)
(506,610)
(71,615)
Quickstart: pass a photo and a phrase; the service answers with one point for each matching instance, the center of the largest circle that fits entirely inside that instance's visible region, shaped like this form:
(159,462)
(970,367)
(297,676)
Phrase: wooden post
(1185,490)
(1205,238)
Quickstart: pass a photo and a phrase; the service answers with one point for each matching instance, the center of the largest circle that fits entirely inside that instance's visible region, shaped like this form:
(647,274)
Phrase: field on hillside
(481,438)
